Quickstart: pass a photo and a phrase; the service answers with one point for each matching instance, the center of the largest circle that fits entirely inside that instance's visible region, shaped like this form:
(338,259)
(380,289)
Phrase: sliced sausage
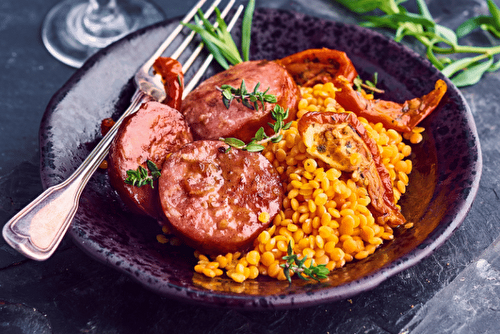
(209,118)
(213,197)
(151,133)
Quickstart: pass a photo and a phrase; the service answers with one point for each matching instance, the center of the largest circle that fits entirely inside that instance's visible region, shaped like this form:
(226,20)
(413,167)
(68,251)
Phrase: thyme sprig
(140,176)
(437,39)
(294,265)
(248,99)
(256,144)
(367,84)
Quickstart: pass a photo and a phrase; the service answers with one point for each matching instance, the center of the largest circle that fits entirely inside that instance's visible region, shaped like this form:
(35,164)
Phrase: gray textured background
(455,290)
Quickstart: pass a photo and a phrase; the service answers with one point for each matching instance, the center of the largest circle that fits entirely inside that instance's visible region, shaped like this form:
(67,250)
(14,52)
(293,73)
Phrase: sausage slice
(213,197)
(209,118)
(151,133)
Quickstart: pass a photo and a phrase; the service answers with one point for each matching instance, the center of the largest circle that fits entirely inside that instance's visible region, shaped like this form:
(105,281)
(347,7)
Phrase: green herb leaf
(472,74)
(212,48)
(227,94)
(458,65)
(254,148)
(248,99)
(446,33)
(217,40)
(495,13)
(364,6)
(367,85)
(287,125)
(422,6)
(260,134)
(491,29)
(277,139)
(255,145)
(233,142)
(246,30)
(379,22)
(249,105)
(473,23)
(437,39)
(155,172)
(140,177)
(293,264)
(494,67)
(269,98)
(393,20)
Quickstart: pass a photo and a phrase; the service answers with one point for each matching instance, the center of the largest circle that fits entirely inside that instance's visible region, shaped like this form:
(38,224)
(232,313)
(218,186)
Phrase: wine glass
(75,29)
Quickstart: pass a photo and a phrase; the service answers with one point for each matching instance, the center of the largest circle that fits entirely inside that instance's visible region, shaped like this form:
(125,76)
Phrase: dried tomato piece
(341,141)
(173,80)
(402,117)
(106,125)
(315,66)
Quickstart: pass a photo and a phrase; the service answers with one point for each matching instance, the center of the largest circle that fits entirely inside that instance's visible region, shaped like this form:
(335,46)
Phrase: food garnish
(361,84)
(295,265)
(220,42)
(140,177)
(260,138)
(437,38)
(249,99)
(246,30)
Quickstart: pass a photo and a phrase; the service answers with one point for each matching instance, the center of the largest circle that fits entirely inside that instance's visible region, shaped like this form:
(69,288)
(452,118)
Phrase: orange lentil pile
(325,213)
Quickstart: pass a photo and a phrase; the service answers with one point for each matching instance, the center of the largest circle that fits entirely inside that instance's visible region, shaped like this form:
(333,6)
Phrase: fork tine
(144,69)
(194,80)
(189,38)
(197,51)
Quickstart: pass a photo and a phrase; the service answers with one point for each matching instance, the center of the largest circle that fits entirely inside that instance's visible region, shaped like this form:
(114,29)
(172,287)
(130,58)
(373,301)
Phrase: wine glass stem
(100,9)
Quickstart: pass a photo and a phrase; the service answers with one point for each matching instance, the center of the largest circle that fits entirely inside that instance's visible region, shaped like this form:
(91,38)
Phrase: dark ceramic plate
(447,165)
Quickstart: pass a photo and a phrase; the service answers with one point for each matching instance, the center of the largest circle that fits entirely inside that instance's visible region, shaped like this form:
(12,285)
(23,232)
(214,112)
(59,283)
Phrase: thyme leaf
(256,144)
(248,99)
(367,84)
(140,176)
(294,265)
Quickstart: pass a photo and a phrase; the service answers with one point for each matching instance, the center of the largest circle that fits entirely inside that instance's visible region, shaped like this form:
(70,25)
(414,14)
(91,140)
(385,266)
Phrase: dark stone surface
(71,293)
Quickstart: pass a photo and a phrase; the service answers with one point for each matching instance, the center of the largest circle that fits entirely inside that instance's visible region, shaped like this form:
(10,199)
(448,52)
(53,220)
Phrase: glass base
(72,34)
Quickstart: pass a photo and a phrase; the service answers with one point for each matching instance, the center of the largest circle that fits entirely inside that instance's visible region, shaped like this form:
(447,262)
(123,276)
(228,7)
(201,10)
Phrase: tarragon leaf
(495,13)
(472,74)
(473,23)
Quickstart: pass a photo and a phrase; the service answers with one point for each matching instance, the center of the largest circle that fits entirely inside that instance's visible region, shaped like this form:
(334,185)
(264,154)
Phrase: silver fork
(38,229)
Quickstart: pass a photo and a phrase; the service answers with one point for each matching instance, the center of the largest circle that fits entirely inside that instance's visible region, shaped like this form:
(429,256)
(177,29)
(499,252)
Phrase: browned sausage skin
(210,119)
(151,133)
(213,197)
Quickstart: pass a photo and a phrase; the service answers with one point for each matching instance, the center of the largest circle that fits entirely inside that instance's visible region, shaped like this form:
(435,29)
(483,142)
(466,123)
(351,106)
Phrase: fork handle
(38,229)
